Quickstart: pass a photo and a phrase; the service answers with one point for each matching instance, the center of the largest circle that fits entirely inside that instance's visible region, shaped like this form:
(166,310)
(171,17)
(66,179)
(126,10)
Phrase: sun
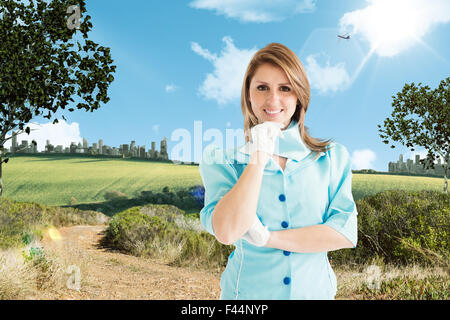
(393,22)
(389,26)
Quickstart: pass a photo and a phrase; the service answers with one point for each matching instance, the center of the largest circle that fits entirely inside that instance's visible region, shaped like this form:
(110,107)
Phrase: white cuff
(258,234)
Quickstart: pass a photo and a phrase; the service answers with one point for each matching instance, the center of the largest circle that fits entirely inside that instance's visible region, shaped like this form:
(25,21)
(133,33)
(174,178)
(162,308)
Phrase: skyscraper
(100,146)
(14,142)
(163,148)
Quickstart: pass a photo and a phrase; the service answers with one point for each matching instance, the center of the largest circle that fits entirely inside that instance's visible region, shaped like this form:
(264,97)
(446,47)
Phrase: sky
(180,67)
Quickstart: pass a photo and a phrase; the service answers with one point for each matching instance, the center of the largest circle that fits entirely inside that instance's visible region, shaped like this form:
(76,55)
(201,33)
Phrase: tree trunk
(445,176)
(445,180)
(445,185)
(1,183)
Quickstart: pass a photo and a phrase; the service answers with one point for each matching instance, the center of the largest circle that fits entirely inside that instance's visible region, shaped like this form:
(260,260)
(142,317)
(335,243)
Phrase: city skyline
(415,167)
(96,148)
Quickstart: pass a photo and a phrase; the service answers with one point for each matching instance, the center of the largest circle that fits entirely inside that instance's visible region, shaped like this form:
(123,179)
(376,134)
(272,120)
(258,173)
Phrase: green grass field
(369,184)
(55,180)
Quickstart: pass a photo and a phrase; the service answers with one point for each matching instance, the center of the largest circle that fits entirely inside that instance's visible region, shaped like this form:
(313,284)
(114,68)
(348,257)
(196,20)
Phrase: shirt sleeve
(218,177)
(341,213)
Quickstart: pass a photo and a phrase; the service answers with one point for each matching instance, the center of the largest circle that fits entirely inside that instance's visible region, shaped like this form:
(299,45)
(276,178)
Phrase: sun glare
(391,23)
(393,26)
(54,234)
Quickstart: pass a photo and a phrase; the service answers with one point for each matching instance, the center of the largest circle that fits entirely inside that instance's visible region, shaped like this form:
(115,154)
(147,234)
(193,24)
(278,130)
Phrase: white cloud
(326,78)
(256,10)
(393,26)
(203,52)
(60,133)
(155,128)
(171,88)
(363,159)
(225,82)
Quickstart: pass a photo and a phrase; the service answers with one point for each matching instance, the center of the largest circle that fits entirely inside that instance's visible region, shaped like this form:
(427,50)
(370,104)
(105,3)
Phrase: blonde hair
(281,56)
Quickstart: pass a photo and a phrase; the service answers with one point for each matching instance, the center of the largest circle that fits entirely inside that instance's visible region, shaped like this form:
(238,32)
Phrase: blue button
(286,253)
(231,255)
(284,224)
(287,280)
(282,197)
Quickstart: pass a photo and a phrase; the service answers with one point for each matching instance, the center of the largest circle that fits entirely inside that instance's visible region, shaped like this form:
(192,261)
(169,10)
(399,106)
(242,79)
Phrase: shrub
(190,198)
(432,287)
(114,195)
(165,232)
(401,227)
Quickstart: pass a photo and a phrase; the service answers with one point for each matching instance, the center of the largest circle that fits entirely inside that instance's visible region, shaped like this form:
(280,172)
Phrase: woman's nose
(272,98)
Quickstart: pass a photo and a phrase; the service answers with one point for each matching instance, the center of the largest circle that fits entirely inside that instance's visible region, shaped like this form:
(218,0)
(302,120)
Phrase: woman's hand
(263,136)
(262,144)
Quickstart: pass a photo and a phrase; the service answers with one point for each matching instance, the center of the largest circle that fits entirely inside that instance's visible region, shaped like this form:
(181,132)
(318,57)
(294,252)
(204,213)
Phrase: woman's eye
(286,89)
(261,87)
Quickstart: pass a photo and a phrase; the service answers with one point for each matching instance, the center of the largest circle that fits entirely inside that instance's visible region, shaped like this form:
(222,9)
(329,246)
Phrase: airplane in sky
(345,36)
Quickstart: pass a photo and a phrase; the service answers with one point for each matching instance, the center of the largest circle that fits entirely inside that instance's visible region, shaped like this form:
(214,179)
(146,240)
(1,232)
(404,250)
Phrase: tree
(39,72)
(421,117)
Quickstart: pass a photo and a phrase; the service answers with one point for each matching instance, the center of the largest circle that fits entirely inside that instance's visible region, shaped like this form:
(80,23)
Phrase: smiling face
(271,95)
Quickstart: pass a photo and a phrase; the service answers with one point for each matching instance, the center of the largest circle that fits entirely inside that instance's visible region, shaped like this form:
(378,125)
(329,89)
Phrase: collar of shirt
(290,146)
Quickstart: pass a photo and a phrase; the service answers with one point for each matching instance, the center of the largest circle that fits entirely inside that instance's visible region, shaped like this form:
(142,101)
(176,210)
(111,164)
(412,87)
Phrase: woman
(284,198)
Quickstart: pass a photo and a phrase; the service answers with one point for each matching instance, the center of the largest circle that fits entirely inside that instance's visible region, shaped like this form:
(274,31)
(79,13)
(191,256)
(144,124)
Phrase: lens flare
(54,234)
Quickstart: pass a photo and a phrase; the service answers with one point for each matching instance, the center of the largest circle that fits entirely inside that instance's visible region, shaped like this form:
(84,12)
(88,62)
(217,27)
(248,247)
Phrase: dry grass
(351,279)
(22,278)
(25,277)
(17,278)
(72,261)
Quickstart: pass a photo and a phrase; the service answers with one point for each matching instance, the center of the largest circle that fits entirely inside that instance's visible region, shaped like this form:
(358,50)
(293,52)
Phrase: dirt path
(107,274)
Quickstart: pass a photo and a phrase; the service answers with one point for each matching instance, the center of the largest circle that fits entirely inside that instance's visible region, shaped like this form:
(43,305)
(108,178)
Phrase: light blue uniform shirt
(308,192)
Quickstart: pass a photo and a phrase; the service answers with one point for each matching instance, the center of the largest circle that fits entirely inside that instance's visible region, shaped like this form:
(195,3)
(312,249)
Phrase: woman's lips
(273,113)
